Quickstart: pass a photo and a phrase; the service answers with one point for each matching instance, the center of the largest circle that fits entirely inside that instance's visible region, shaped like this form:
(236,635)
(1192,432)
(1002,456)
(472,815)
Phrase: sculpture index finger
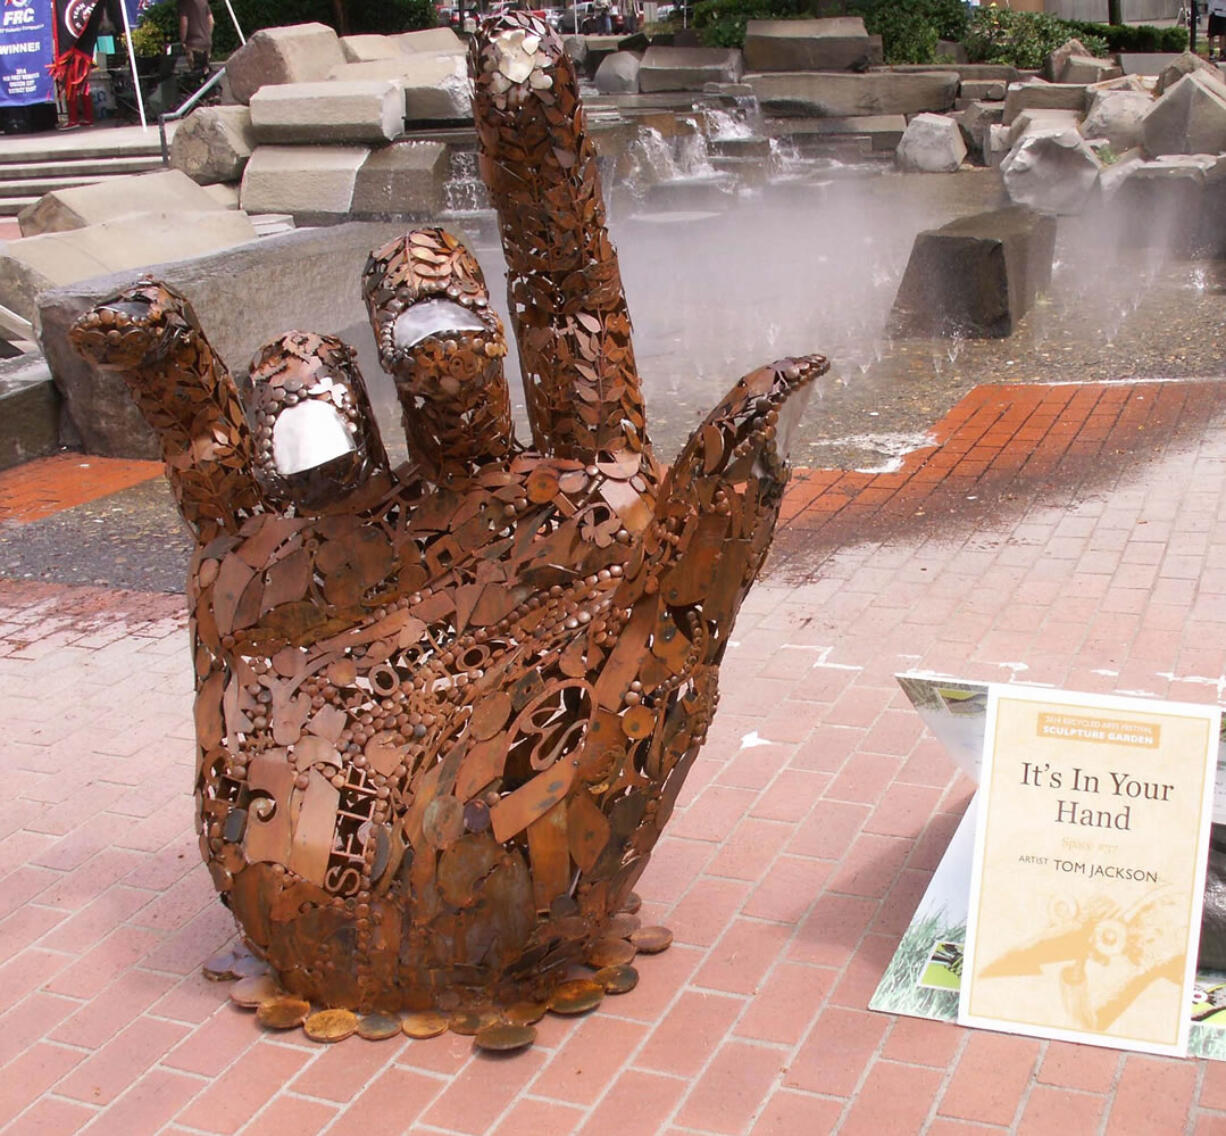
(564,285)
(150,335)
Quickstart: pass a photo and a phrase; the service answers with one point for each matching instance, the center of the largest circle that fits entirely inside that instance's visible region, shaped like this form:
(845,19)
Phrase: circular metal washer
(503,1037)
(331,1025)
(283,1012)
(378,1027)
(617,979)
(576,996)
(424,1024)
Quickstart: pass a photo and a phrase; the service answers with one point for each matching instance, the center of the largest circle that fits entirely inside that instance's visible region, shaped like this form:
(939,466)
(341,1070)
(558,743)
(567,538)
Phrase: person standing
(196,32)
(1217,28)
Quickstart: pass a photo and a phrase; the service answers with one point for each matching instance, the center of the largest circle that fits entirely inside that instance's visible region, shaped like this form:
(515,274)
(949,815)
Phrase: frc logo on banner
(26,51)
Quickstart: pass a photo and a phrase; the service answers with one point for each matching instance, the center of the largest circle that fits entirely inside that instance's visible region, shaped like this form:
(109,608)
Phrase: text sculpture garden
(443,711)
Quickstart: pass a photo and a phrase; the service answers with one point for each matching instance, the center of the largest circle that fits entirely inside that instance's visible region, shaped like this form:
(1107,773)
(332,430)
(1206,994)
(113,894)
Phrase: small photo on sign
(1209,1000)
(944,968)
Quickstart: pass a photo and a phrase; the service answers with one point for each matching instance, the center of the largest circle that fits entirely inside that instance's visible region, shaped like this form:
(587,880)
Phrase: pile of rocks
(1141,143)
(315,121)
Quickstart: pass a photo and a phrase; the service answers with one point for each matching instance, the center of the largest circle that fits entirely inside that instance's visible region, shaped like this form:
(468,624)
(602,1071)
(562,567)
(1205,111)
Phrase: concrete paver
(1061,534)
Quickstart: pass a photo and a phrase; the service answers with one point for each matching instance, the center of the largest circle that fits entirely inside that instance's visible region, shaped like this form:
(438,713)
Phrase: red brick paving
(1065,534)
(39,488)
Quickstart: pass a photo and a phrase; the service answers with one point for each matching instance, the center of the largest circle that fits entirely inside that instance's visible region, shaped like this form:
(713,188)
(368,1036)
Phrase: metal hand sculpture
(444,711)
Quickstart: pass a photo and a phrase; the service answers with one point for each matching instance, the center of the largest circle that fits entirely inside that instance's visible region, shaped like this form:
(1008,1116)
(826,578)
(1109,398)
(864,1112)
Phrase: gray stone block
(1087,69)
(365,110)
(1173,203)
(32,264)
(404,179)
(839,44)
(299,53)
(883,131)
(983,90)
(436,84)
(1042,121)
(242,300)
(366,48)
(967,72)
(213,144)
(29,410)
(1053,67)
(688,68)
(1037,95)
(976,120)
(833,94)
(976,276)
(1190,118)
(432,41)
(1185,64)
(618,74)
(307,181)
(161,191)
(1145,62)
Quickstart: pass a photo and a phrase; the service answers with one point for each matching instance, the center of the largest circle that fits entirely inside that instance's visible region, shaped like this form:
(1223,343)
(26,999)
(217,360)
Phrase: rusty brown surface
(444,711)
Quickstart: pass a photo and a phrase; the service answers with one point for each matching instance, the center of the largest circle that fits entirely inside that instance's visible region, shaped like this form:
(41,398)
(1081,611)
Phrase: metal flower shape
(443,711)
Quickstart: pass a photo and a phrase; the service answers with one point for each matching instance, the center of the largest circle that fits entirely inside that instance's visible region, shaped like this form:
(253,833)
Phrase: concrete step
(11,206)
(26,188)
(92,168)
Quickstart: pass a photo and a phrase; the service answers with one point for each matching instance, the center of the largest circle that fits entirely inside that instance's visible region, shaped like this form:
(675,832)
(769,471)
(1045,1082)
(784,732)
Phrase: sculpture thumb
(719,503)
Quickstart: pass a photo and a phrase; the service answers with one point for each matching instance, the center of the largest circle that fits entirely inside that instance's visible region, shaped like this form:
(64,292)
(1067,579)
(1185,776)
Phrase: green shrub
(1023,39)
(910,29)
(721,23)
(1139,37)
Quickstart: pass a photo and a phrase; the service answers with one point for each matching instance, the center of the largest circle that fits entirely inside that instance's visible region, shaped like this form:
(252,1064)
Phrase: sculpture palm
(443,711)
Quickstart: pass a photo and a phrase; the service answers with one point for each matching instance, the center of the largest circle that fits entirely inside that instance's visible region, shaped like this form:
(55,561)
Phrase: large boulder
(402,180)
(365,110)
(1037,95)
(976,276)
(299,53)
(1189,118)
(687,68)
(1053,173)
(33,264)
(311,182)
(436,84)
(618,74)
(839,44)
(931,143)
(242,300)
(213,144)
(832,94)
(163,191)
(1117,116)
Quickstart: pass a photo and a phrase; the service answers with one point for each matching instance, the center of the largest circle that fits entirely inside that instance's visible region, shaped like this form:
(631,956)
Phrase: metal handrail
(188,106)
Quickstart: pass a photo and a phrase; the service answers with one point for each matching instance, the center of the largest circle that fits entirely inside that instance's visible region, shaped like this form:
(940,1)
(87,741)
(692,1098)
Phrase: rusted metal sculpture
(444,711)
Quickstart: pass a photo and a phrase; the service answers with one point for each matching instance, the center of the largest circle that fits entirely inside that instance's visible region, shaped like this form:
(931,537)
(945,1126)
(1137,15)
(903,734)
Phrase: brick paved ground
(1072,535)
